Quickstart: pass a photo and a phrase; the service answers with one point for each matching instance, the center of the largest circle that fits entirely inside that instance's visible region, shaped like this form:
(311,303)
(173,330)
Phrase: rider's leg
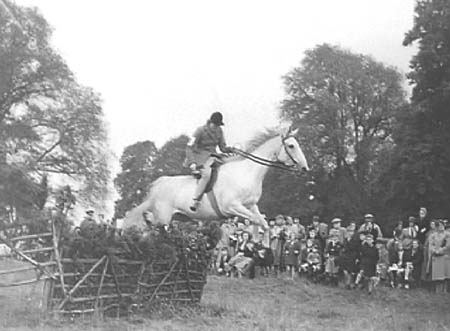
(201,185)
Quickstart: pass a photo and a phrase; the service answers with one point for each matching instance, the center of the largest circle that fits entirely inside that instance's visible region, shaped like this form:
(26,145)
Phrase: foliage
(345,106)
(171,155)
(418,171)
(137,174)
(142,163)
(49,124)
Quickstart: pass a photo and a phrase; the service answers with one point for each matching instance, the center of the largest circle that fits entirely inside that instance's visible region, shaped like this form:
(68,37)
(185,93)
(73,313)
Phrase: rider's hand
(229,150)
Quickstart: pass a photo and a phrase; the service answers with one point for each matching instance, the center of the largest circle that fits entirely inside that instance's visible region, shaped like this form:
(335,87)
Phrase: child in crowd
(314,263)
(398,259)
(332,251)
(312,234)
(306,249)
(416,263)
(368,263)
(222,263)
(383,261)
(292,251)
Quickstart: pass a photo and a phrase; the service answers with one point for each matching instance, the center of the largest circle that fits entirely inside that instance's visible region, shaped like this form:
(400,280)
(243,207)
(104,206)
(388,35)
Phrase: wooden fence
(101,285)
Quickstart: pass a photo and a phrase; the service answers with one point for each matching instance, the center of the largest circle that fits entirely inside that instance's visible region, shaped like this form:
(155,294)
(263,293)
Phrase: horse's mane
(260,138)
(257,140)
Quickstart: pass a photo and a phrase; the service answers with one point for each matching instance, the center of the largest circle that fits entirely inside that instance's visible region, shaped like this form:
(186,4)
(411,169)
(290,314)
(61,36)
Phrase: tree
(345,106)
(418,171)
(138,171)
(49,124)
(142,163)
(171,156)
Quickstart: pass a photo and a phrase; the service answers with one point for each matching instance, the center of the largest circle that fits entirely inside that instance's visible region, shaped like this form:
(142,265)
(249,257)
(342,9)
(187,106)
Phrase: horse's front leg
(251,214)
(260,218)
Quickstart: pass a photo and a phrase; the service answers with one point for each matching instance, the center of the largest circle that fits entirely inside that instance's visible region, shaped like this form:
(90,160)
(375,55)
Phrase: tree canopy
(418,170)
(141,164)
(49,123)
(345,106)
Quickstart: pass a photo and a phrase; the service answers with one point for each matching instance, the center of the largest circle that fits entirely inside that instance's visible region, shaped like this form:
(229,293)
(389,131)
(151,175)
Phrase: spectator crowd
(416,254)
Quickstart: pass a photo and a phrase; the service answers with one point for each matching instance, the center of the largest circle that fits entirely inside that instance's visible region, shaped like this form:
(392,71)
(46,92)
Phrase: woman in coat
(426,263)
(439,248)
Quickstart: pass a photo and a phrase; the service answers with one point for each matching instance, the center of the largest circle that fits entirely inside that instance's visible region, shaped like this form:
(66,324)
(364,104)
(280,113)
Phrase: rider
(198,155)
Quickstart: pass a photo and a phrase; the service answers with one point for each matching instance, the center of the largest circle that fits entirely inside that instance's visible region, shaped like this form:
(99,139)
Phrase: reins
(264,162)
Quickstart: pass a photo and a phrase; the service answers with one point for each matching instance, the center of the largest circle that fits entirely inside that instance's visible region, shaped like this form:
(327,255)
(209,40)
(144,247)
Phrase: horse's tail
(135,216)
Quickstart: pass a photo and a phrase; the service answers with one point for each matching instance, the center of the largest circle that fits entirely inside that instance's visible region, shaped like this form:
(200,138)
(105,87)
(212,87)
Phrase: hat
(216,118)
(411,219)
(279,216)
(315,218)
(368,216)
(335,220)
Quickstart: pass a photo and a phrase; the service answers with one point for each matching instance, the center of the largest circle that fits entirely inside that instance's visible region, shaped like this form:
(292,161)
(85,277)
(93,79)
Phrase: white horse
(238,187)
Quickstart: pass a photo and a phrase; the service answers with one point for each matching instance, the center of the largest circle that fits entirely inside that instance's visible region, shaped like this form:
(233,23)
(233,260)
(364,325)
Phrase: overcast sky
(162,67)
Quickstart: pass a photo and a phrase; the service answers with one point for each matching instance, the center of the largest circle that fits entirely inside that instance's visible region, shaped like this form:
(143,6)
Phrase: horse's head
(290,153)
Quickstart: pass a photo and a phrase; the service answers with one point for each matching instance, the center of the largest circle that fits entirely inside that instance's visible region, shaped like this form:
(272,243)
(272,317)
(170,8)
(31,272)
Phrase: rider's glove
(228,149)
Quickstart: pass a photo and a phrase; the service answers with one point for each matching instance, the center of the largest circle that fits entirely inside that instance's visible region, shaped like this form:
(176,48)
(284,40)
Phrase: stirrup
(195,206)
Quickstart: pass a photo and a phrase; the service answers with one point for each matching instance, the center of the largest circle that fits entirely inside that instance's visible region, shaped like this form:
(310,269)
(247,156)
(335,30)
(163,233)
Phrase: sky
(162,67)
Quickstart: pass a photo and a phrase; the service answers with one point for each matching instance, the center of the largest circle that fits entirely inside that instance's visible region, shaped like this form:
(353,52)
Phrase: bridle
(270,163)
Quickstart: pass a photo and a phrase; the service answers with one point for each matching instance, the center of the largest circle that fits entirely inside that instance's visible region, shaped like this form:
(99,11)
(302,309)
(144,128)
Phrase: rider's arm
(222,144)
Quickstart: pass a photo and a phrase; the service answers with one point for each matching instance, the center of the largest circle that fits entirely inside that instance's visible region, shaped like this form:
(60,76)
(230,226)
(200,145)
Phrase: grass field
(260,304)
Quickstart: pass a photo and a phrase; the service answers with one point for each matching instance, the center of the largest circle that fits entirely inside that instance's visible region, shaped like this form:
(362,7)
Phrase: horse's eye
(291,146)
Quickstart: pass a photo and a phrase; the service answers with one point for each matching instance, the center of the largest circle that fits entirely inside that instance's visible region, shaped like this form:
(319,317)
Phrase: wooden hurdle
(104,285)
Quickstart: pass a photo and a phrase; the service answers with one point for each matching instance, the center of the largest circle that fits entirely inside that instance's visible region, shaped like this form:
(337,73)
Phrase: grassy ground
(261,304)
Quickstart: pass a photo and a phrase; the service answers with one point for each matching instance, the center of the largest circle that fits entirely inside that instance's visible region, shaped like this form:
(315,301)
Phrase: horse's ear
(293,132)
(285,131)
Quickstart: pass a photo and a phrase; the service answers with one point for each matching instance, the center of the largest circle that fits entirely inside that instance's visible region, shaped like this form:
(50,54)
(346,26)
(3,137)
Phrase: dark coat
(349,254)
(394,257)
(424,227)
(292,250)
(369,259)
(263,256)
(416,259)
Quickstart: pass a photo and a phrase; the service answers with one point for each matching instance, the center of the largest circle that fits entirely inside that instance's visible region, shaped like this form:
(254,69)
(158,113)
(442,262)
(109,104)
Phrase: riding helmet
(217,118)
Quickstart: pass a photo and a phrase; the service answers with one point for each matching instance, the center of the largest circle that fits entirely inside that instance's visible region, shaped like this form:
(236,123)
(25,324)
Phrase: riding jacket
(206,139)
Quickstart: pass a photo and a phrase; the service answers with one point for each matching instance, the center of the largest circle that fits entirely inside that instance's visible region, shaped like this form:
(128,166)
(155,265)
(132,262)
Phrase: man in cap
(340,231)
(88,220)
(370,227)
(200,153)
